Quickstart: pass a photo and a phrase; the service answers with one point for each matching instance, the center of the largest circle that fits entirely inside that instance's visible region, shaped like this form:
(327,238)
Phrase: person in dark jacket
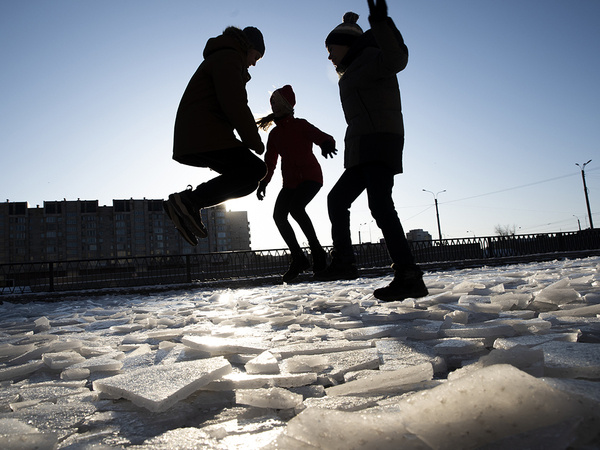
(213,106)
(293,139)
(367,64)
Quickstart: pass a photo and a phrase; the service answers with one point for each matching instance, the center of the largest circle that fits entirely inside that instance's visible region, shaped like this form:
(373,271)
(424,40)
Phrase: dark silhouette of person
(368,64)
(293,139)
(213,106)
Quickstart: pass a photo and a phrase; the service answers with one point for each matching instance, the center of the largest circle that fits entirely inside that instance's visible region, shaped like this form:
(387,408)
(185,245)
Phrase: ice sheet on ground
(406,369)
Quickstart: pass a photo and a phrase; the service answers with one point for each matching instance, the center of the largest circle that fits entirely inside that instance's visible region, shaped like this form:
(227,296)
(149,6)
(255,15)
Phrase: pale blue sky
(500,98)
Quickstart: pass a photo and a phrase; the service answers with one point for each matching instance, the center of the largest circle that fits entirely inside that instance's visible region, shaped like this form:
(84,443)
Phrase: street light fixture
(585,191)
(437,212)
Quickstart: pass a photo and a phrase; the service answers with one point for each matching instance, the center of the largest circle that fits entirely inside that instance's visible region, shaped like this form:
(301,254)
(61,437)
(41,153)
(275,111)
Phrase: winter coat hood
(215,104)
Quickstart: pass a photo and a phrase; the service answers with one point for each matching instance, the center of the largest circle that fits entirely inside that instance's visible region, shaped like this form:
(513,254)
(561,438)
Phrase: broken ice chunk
(481,408)
(74,374)
(385,382)
(105,363)
(583,311)
(9,351)
(558,293)
(459,346)
(350,361)
(15,434)
(244,381)
(340,430)
(60,360)
(158,388)
(305,363)
(52,347)
(42,324)
(263,363)
(313,348)
(218,346)
(508,300)
(498,401)
(367,333)
(571,360)
(273,398)
(12,373)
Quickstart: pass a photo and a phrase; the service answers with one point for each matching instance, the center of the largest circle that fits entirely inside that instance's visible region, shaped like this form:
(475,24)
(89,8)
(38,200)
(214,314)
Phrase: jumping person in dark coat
(293,140)
(214,104)
(368,64)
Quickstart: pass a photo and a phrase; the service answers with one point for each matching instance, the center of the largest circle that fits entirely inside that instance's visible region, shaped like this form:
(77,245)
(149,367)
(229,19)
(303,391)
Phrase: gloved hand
(378,10)
(328,149)
(262,190)
(260,150)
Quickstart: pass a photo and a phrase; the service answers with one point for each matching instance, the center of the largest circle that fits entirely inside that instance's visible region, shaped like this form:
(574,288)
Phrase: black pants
(240,171)
(294,201)
(378,180)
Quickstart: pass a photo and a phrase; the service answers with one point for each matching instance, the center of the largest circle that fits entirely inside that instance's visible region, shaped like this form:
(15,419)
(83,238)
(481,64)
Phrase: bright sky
(500,99)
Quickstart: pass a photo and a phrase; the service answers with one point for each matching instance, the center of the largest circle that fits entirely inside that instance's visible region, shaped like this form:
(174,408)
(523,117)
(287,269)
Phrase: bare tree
(506,230)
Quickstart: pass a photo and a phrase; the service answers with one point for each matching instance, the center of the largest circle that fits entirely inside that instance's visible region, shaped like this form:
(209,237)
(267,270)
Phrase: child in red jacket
(293,139)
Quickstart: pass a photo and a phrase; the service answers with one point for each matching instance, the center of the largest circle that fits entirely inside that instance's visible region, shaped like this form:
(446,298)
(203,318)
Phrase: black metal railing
(58,276)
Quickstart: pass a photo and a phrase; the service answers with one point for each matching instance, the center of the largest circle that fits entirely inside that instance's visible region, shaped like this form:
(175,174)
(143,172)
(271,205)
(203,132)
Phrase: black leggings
(294,201)
(240,171)
(378,180)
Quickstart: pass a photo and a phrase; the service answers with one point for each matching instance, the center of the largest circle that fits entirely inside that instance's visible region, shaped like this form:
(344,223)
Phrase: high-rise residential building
(81,229)
(418,235)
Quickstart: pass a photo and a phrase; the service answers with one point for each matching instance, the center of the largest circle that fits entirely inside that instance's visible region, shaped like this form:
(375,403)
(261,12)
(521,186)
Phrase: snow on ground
(502,357)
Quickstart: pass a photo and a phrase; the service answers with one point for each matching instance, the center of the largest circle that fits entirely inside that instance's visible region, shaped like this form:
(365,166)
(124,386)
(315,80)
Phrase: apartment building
(82,229)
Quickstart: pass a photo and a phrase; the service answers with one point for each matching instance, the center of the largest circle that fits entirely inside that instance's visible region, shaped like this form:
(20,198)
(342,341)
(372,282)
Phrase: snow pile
(494,357)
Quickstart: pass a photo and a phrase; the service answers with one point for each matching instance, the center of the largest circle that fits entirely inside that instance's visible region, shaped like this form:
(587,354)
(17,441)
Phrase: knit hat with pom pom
(345,33)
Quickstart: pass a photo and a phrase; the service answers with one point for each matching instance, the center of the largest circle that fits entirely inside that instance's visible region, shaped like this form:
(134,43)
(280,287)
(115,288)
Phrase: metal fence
(60,276)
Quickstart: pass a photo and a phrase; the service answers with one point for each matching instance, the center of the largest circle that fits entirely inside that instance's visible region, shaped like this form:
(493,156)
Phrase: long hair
(281,108)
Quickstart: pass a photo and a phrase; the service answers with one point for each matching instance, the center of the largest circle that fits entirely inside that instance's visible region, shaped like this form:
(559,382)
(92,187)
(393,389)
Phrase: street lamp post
(585,191)
(437,212)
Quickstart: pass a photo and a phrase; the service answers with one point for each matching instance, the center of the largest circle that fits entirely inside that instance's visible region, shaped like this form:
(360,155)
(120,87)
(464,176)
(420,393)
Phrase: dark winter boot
(319,259)
(407,283)
(298,265)
(339,269)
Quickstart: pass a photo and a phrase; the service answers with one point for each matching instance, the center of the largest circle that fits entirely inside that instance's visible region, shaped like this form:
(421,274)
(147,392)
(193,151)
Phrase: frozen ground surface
(494,358)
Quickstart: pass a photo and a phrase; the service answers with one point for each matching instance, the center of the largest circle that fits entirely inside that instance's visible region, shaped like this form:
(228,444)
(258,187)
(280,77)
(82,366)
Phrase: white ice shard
(105,363)
(9,351)
(263,363)
(158,388)
(53,346)
(385,382)
(42,324)
(367,333)
(319,347)
(350,361)
(218,346)
(571,359)
(237,380)
(306,363)
(74,374)
(459,346)
(316,428)
(479,330)
(558,293)
(17,435)
(61,360)
(14,372)
(273,398)
(484,407)
(582,311)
